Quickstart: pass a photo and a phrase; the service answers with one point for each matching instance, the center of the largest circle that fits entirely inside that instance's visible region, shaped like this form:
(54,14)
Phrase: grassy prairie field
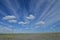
(34,36)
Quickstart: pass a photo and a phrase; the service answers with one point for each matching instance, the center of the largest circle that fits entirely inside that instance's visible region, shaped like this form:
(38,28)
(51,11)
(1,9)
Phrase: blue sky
(29,16)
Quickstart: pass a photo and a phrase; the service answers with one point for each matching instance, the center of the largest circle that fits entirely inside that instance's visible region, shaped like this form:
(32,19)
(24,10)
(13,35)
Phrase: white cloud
(9,17)
(40,23)
(21,22)
(30,17)
(12,21)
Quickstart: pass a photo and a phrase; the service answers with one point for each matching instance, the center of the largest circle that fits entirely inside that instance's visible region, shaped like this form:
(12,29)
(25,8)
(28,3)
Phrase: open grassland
(34,36)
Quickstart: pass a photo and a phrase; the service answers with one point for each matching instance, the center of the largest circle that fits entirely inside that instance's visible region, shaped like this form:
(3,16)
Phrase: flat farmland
(33,36)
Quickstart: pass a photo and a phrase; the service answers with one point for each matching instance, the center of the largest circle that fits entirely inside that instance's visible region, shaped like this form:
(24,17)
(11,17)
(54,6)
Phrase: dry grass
(38,36)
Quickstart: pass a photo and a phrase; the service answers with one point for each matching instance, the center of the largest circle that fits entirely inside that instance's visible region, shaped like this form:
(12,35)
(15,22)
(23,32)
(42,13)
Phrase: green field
(34,36)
